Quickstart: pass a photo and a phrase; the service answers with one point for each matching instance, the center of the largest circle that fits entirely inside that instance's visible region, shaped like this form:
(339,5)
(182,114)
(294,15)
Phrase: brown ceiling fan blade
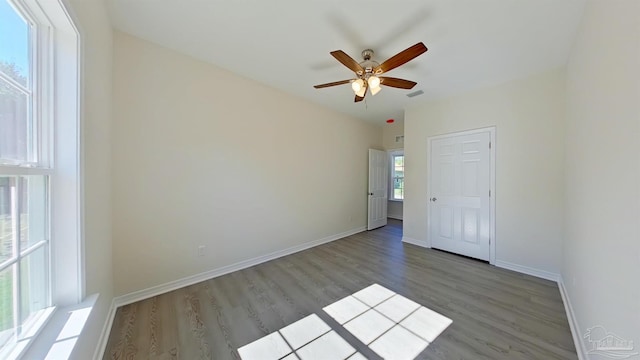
(397,83)
(347,61)
(358,98)
(341,82)
(401,58)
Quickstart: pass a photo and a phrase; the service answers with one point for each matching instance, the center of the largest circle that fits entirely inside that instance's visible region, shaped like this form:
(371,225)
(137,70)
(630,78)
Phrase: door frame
(492,184)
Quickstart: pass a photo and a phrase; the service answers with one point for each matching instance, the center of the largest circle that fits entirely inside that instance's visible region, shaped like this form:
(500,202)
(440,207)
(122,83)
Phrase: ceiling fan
(367,72)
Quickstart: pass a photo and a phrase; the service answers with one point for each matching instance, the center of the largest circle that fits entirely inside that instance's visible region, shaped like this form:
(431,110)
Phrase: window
(40,204)
(397,175)
(25,172)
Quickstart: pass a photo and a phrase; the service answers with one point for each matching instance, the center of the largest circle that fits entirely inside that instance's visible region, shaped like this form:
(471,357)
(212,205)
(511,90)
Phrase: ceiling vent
(415,93)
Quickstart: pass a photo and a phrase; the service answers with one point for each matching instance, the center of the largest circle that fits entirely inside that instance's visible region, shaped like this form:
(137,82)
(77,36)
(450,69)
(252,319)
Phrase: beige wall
(528,115)
(389,133)
(205,157)
(601,264)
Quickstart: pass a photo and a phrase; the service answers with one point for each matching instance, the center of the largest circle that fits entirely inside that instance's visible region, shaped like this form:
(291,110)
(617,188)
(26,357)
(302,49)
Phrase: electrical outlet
(201,250)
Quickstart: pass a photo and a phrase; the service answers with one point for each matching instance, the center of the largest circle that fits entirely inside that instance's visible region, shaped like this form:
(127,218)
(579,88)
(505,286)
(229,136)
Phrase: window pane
(399,161)
(397,194)
(33,283)
(14,44)
(14,123)
(8,210)
(15,119)
(398,188)
(6,304)
(398,165)
(7,307)
(33,210)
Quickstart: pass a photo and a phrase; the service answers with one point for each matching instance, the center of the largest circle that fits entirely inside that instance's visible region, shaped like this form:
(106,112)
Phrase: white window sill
(34,327)
(56,338)
(396,200)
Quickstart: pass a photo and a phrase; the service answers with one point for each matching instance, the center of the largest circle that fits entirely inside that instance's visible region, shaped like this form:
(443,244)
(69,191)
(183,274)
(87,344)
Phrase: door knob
(433,199)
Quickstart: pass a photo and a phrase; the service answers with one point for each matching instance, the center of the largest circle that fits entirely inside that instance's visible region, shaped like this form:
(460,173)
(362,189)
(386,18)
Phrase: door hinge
(489,144)
(489,193)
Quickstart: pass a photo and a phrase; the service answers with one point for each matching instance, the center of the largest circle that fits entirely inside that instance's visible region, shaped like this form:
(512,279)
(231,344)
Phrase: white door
(378,175)
(460,184)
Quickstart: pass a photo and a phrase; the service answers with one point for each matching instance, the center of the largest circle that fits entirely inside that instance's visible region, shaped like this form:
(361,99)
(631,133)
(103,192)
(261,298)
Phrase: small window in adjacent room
(396,190)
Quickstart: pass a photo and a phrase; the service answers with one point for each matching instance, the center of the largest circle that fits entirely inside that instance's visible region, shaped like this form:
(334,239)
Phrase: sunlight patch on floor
(393,326)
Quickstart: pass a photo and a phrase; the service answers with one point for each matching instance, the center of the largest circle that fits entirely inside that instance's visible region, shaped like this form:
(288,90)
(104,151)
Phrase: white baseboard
(106,330)
(528,270)
(413,241)
(194,279)
(573,322)
(394,216)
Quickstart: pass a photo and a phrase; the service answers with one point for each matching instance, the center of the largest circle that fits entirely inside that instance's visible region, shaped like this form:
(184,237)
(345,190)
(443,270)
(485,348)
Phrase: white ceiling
(286,43)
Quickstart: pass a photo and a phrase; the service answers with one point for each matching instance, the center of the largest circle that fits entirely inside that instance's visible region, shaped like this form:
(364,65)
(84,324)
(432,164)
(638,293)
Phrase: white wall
(96,37)
(202,156)
(389,133)
(529,194)
(601,264)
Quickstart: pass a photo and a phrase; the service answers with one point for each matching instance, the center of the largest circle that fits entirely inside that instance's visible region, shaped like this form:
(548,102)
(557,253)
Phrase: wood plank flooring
(496,313)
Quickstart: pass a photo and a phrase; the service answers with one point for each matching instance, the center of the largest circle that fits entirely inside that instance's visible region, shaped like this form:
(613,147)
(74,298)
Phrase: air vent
(415,93)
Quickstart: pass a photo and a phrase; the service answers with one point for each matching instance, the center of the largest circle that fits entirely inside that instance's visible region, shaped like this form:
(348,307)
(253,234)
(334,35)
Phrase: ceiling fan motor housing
(368,65)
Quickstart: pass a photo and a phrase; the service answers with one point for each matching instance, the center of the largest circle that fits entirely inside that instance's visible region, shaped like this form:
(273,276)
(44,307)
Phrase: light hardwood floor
(496,313)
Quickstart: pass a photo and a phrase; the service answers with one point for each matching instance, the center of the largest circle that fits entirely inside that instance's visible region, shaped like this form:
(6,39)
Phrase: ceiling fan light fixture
(367,72)
(374,82)
(357,85)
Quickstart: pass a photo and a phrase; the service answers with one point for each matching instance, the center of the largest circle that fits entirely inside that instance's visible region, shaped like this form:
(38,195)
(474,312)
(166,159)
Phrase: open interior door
(378,177)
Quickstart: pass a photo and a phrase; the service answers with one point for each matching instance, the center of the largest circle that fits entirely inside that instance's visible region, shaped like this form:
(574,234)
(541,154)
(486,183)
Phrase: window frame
(392,155)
